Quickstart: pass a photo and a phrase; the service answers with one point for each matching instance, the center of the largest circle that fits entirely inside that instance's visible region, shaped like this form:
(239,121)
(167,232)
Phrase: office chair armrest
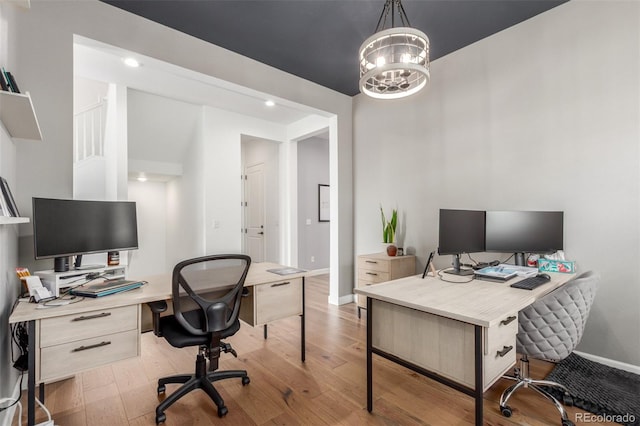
(157,308)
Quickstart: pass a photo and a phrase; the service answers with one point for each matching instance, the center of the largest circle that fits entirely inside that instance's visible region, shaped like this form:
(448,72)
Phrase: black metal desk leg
(369,360)
(302,333)
(265,331)
(479,376)
(31,371)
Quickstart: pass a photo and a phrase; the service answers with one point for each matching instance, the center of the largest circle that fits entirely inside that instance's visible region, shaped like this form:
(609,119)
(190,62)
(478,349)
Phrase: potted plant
(389,231)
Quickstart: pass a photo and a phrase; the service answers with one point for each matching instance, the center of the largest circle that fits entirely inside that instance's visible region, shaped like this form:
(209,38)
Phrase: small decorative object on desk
(389,231)
(400,252)
(562,266)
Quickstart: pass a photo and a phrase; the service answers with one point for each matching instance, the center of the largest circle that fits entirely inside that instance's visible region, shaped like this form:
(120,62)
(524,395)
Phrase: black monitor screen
(71,227)
(524,231)
(461,231)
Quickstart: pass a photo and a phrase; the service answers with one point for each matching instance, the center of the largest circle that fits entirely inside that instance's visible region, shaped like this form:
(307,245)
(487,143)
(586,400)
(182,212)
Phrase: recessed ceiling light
(131,62)
(269,103)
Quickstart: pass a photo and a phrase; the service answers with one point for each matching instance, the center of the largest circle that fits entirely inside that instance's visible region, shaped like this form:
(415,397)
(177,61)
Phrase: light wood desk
(65,340)
(460,334)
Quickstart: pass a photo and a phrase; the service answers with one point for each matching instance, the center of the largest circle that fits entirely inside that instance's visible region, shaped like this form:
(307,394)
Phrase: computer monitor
(62,228)
(523,232)
(461,231)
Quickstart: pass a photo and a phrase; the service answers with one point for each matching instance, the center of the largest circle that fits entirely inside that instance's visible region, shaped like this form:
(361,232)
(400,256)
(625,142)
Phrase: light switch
(308,221)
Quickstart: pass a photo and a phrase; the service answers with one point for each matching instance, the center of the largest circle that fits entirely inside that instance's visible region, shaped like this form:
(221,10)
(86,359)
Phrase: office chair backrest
(551,327)
(213,286)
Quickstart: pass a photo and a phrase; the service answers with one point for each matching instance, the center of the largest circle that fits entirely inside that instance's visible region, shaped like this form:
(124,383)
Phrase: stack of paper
(504,272)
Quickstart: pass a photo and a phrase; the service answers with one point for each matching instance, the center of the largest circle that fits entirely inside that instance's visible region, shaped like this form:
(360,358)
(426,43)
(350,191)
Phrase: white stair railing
(88,131)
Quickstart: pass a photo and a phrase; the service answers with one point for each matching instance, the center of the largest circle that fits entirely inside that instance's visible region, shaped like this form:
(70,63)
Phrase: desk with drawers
(65,340)
(462,334)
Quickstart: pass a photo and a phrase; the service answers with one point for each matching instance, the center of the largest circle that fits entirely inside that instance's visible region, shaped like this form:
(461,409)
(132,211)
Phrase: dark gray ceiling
(319,39)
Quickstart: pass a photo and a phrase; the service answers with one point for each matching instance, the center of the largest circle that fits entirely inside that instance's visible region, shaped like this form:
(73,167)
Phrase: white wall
(313,235)
(44,48)
(9,284)
(151,209)
(223,167)
(542,116)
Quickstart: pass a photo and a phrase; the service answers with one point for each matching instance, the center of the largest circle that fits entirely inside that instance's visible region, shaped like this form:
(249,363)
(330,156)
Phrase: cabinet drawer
(370,264)
(366,276)
(70,328)
(69,358)
(501,349)
(278,300)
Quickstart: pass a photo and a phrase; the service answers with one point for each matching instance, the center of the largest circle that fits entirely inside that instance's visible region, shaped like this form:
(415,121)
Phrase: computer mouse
(546,276)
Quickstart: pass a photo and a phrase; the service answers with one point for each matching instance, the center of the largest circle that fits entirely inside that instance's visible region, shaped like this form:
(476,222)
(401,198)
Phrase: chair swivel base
(525,381)
(200,380)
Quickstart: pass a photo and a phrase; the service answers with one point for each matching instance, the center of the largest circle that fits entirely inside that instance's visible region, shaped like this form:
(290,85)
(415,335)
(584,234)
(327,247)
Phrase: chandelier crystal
(394,62)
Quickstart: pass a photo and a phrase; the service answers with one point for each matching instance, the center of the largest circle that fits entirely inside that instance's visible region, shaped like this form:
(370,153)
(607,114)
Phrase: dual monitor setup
(65,228)
(518,232)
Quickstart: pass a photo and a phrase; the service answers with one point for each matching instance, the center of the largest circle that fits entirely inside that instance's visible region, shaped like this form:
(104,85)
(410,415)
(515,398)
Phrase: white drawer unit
(378,267)
(273,301)
(72,343)
(500,353)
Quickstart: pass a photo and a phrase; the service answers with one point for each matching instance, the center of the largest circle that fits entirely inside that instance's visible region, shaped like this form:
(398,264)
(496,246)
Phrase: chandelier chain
(389,8)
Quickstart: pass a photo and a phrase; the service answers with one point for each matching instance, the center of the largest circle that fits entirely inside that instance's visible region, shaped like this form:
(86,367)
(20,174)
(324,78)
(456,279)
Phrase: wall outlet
(308,221)
(313,258)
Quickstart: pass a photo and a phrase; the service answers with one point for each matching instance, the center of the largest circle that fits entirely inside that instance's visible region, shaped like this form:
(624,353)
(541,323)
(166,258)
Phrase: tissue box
(562,266)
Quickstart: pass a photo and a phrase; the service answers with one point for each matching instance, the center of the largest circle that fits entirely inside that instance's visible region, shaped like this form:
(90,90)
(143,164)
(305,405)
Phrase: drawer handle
(372,273)
(97,345)
(505,350)
(88,317)
(279,284)
(508,320)
(371,261)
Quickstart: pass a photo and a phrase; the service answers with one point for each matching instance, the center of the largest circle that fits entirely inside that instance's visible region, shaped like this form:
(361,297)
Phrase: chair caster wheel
(567,423)
(246,381)
(506,411)
(160,418)
(161,389)
(567,400)
(222,411)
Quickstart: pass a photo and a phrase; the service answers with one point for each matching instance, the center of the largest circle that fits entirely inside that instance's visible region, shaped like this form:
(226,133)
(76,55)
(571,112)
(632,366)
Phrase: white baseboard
(6,417)
(341,300)
(610,362)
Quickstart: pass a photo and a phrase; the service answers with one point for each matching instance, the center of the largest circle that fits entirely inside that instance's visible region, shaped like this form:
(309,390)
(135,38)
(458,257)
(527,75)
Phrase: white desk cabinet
(69,344)
(273,301)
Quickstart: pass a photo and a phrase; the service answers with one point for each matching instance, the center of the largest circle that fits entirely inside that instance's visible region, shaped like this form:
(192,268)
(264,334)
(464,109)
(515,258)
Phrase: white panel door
(255,213)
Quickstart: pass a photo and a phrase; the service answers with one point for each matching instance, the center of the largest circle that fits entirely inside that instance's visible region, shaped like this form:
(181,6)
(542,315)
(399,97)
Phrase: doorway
(261,199)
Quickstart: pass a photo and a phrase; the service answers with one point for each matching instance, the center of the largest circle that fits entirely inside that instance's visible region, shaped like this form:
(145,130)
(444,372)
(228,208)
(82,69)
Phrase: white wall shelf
(18,116)
(6,220)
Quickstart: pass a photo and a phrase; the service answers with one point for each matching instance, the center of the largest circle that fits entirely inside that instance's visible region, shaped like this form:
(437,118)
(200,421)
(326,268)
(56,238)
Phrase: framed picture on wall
(323,203)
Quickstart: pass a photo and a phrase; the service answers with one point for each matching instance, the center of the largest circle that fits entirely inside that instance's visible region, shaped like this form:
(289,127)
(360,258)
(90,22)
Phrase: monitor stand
(78,266)
(456,267)
(519,259)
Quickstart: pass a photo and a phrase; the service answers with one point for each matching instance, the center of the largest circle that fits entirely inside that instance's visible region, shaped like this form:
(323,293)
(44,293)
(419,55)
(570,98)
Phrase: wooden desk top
(477,302)
(158,287)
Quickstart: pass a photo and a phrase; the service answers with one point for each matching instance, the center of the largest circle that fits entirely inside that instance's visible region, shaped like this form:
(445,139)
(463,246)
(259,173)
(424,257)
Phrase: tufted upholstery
(552,327)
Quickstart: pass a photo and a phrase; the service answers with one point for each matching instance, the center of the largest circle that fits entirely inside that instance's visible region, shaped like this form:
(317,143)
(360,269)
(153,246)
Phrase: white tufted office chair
(550,329)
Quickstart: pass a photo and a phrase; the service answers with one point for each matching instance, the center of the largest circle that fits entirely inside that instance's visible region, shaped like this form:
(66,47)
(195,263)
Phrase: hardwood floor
(328,389)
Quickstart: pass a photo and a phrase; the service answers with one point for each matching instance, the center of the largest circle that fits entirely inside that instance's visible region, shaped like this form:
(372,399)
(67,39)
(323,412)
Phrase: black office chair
(206,294)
